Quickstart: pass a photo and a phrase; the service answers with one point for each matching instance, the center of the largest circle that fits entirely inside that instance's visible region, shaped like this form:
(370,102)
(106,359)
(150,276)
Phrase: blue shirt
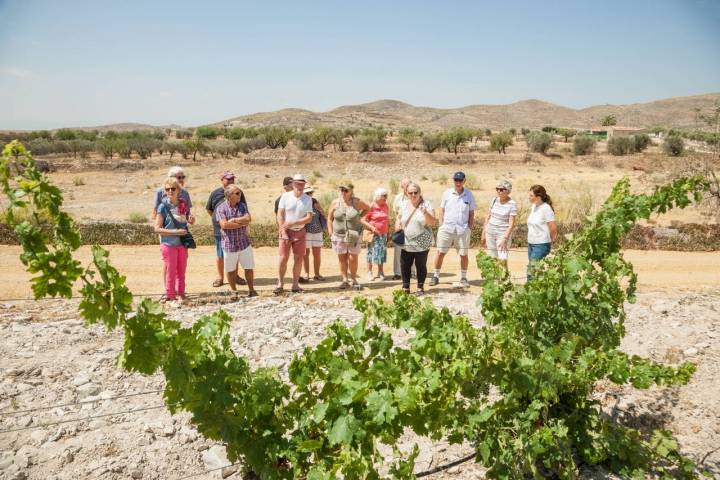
(179,212)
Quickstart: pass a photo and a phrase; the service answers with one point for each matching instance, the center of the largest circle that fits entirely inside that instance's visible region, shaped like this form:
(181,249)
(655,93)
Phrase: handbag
(398,237)
(315,225)
(351,237)
(186,240)
(368,236)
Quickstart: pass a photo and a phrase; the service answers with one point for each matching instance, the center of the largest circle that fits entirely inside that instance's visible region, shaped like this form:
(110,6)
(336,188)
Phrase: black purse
(186,240)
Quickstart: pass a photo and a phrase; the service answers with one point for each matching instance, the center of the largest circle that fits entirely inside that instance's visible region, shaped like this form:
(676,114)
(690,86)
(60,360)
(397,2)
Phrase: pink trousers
(175,259)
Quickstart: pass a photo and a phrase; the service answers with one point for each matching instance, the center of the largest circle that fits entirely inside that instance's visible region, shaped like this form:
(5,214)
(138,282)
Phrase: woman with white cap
(314,238)
(376,221)
(500,222)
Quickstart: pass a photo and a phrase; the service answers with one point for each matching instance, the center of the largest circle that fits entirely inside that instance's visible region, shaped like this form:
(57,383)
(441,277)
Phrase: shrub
(524,132)
(454,138)
(371,140)
(674,146)
(183,134)
(539,141)
(317,173)
(566,133)
(584,145)
(394,186)
(326,199)
(65,134)
(208,133)
(608,121)
(549,129)
(642,141)
(431,142)
(78,181)
(137,217)
(304,140)
(621,145)
(277,137)
(500,141)
(471,182)
(407,137)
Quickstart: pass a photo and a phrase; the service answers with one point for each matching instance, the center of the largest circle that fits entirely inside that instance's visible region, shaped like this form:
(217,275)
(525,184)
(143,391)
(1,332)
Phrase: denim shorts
(218,248)
(538,251)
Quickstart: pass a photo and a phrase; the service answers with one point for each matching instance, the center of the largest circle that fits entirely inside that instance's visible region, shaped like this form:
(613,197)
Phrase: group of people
(349,222)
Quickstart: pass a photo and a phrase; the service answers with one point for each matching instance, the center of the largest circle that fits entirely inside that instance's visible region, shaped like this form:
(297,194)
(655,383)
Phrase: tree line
(231,142)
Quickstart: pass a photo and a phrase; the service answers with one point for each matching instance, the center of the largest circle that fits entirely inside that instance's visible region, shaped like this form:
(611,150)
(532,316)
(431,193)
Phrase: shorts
(492,240)
(218,248)
(342,248)
(314,240)
(294,242)
(446,240)
(245,258)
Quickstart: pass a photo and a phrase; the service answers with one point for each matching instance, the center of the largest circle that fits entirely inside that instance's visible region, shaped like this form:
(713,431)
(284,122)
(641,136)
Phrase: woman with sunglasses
(415,218)
(499,223)
(542,228)
(173,217)
(345,228)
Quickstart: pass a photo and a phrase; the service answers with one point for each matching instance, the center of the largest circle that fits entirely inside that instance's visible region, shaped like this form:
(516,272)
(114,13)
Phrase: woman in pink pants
(171,223)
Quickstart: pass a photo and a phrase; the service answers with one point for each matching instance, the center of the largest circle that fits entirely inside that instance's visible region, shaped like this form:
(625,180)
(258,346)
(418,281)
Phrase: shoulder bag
(186,240)
(398,237)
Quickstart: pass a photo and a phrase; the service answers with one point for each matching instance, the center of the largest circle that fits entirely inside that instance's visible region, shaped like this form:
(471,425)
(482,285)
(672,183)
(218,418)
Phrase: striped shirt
(236,239)
(500,214)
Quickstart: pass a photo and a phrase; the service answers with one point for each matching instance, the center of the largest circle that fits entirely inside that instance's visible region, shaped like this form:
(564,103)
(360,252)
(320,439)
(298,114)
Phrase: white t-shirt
(500,214)
(457,208)
(538,230)
(416,224)
(295,207)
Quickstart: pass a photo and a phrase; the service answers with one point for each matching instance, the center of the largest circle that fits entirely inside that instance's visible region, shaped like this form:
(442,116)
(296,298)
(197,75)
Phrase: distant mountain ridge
(671,112)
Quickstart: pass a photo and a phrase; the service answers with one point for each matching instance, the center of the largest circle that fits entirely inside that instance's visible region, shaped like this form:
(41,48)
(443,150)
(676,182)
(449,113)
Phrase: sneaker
(396,277)
(370,277)
(463,283)
(381,278)
(356,285)
(420,292)
(434,281)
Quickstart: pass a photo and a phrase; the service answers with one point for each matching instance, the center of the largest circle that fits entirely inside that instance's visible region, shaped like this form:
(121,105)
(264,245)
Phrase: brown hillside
(673,112)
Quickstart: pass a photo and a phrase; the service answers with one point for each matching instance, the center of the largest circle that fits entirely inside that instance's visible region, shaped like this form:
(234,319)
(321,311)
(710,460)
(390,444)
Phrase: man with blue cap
(456,216)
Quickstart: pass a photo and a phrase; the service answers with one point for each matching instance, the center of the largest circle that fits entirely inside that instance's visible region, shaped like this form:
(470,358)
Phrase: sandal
(241,281)
(304,280)
(344,285)
(279,290)
(297,290)
(319,278)
(252,293)
(218,283)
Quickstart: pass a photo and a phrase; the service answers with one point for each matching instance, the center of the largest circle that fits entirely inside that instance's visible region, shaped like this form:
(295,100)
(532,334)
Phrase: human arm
(331,216)
(427,211)
(508,233)
(552,226)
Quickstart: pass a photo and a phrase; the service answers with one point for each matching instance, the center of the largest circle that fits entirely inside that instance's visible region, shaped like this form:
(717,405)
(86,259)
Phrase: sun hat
(346,185)
(298,177)
(308,189)
(380,192)
(459,176)
(287,181)
(227,174)
(504,184)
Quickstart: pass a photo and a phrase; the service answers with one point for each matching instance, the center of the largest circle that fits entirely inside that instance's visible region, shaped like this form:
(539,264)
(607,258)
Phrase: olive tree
(407,137)
(500,141)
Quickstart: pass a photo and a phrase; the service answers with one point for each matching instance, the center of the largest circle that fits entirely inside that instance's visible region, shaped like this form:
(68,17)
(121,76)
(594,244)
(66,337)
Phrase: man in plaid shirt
(234,217)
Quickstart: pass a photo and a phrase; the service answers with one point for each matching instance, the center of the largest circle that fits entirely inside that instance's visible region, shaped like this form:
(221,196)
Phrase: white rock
(81,379)
(690,352)
(215,457)
(87,390)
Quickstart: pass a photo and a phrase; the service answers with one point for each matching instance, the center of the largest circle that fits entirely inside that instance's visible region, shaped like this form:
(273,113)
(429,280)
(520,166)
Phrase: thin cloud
(165,94)
(15,72)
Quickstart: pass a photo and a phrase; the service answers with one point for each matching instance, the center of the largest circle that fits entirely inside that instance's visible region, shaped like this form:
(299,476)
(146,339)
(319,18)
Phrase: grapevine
(518,388)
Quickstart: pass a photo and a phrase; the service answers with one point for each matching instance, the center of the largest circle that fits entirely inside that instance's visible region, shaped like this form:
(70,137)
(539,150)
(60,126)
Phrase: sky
(85,63)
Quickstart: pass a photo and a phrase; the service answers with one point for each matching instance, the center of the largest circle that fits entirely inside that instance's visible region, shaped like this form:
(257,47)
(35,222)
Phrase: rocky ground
(50,359)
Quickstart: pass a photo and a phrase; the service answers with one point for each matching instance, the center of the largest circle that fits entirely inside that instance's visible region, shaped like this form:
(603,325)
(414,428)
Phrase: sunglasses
(501,189)
(235,193)
(413,193)
(171,189)
(343,189)
(180,177)
(458,181)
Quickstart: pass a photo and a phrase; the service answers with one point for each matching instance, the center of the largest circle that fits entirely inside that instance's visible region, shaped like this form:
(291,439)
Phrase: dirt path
(142,266)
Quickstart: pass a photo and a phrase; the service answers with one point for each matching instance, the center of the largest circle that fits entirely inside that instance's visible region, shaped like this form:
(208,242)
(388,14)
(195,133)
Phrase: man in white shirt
(294,211)
(398,203)
(456,216)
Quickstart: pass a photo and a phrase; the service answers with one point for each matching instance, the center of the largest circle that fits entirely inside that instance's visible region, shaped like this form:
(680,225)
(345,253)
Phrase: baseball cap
(227,174)
(504,184)
(298,178)
(459,176)
(287,181)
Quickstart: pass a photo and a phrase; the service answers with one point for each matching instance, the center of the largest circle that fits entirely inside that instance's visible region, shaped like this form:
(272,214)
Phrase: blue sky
(82,63)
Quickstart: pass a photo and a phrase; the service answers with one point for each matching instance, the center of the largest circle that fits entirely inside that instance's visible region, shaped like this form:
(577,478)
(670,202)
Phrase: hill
(673,112)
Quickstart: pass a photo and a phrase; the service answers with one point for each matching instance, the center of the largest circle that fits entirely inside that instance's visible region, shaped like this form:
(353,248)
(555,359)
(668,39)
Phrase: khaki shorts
(244,258)
(447,240)
(492,242)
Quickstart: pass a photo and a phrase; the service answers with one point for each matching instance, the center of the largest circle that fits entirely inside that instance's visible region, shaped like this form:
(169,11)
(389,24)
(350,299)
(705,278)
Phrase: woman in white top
(542,229)
(500,222)
(415,217)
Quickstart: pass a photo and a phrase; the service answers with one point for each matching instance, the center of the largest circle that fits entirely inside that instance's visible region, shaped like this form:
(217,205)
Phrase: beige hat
(504,184)
(298,177)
